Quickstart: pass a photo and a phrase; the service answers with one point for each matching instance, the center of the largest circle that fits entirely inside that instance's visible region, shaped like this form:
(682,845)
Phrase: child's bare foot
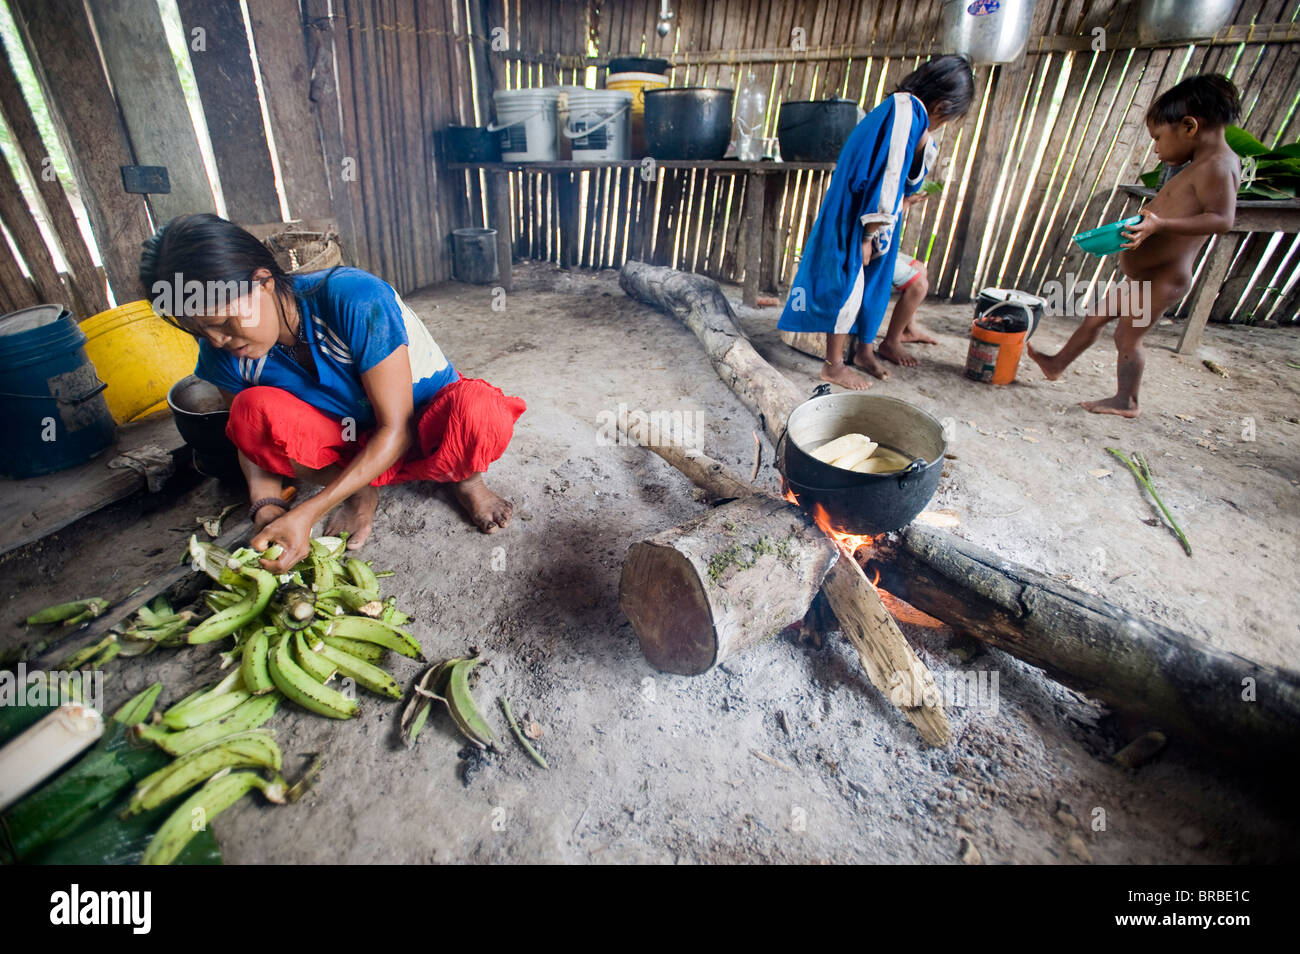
(895,352)
(1123,407)
(864,356)
(844,376)
(489,511)
(1046,362)
(355,516)
(915,334)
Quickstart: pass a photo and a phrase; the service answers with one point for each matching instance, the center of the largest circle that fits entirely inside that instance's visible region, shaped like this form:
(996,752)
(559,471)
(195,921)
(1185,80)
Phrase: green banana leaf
(1261,190)
(73,818)
(15,719)
(110,766)
(107,839)
(1243,143)
(1151,179)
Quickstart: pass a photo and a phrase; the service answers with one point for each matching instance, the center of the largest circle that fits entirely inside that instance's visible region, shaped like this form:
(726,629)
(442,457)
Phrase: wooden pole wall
(1023,173)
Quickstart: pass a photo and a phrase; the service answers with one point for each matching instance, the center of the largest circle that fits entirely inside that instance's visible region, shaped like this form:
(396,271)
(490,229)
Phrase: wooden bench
(755,201)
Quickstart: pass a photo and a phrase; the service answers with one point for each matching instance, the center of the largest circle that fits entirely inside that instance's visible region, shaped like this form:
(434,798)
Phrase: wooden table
(755,208)
(1253,215)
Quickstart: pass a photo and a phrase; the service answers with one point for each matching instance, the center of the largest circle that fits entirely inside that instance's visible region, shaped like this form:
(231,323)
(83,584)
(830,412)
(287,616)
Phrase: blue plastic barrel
(51,399)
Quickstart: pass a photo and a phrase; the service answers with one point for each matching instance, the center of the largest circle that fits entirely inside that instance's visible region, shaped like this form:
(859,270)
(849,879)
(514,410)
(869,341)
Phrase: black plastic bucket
(815,131)
(474,252)
(638,64)
(688,122)
(471,144)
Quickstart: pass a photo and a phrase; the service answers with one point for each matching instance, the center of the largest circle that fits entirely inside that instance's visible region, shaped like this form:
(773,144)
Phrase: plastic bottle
(751,108)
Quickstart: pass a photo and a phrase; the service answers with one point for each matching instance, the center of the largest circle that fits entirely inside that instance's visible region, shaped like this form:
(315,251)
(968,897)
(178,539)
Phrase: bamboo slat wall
(1038,158)
(358,92)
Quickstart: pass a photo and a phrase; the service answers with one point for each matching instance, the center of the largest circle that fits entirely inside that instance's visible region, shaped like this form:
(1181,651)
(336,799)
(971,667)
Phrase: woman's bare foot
(915,334)
(895,352)
(1114,405)
(356,516)
(489,511)
(844,376)
(1047,363)
(864,356)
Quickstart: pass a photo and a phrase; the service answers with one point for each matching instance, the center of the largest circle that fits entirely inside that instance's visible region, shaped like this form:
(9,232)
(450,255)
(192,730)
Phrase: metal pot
(988,31)
(201,414)
(855,502)
(688,122)
(816,131)
(1165,20)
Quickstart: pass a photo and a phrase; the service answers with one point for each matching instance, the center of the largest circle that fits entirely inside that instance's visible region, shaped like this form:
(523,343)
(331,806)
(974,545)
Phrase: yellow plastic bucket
(636,84)
(139,356)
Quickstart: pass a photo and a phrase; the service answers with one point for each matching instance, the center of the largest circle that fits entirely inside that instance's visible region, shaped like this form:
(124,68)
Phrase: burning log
(690,611)
(1223,701)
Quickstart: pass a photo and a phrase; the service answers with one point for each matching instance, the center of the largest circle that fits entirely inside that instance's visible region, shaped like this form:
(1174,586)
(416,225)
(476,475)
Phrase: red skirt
(463,428)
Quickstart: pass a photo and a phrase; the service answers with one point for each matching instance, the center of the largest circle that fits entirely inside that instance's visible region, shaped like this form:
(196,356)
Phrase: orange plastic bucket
(994,356)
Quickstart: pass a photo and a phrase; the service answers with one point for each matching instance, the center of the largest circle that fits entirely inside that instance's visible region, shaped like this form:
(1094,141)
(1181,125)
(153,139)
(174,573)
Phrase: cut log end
(662,596)
(731,578)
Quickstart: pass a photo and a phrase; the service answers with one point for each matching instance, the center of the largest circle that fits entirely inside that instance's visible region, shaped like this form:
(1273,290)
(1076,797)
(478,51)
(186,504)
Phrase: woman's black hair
(945,84)
(206,252)
(1210,98)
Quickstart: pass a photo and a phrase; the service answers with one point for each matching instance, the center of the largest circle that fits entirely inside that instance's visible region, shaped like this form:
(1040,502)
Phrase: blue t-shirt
(353,322)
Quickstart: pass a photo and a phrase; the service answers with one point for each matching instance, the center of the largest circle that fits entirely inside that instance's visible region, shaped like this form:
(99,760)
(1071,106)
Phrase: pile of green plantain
(293,633)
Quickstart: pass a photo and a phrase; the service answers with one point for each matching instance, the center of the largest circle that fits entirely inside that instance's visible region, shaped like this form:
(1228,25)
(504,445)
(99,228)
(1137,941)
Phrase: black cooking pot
(201,414)
(471,144)
(688,122)
(638,64)
(856,502)
(815,131)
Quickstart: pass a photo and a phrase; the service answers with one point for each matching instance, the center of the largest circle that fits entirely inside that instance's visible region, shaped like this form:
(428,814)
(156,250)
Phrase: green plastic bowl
(1106,239)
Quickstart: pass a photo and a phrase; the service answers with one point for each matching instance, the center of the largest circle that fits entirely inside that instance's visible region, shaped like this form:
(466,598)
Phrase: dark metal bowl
(201,415)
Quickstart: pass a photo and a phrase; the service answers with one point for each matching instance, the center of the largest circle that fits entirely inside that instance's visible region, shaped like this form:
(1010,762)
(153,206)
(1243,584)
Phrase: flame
(851,545)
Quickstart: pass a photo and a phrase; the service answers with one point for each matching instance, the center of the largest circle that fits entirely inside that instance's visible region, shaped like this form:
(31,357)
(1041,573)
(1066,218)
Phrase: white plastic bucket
(598,124)
(565,145)
(526,123)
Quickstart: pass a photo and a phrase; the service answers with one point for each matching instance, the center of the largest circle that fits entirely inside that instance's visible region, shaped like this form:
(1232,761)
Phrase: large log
(725,581)
(699,303)
(1223,701)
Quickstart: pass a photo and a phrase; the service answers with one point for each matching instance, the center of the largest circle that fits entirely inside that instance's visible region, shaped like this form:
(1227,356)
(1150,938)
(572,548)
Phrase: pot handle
(908,475)
(821,391)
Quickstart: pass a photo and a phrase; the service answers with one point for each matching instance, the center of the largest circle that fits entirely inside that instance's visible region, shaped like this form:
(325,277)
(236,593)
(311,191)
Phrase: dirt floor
(785,753)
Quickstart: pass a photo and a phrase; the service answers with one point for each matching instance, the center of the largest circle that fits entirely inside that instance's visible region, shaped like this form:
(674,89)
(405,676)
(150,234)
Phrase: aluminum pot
(688,122)
(988,31)
(816,131)
(201,414)
(856,502)
(1165,20)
